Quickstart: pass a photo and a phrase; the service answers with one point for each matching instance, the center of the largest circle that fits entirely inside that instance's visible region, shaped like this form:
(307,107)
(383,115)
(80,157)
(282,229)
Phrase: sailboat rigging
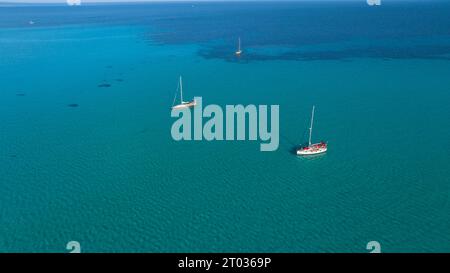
(316,148)
(183,104)
(239,51)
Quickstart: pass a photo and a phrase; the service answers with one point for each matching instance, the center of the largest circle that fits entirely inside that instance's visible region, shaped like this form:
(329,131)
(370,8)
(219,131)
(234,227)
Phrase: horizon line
(142,1)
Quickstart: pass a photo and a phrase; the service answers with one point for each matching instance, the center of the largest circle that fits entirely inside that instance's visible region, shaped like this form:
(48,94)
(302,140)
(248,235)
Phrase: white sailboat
(183,104)
(316,148)
(239,51)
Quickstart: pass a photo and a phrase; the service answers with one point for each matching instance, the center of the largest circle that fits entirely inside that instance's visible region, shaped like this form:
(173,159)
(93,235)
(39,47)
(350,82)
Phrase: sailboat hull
(183,105)
(313,149)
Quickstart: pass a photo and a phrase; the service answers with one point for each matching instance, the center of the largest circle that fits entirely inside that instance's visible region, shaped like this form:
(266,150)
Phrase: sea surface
(86,152)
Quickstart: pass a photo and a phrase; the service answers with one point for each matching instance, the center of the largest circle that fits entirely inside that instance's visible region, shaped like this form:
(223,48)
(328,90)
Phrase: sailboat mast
(239,44)
(181,89)
(310,128)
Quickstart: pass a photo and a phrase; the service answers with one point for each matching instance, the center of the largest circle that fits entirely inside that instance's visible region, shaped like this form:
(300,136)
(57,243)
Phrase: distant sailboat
(31,22)
(74,2)
(239,51)
(183,104)
(312,149)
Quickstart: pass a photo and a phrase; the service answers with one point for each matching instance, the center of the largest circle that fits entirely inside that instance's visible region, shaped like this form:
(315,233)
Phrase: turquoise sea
(86,153)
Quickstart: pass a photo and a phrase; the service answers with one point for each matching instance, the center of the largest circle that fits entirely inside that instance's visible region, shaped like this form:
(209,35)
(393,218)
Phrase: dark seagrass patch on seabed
(104,85)
(386,53)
